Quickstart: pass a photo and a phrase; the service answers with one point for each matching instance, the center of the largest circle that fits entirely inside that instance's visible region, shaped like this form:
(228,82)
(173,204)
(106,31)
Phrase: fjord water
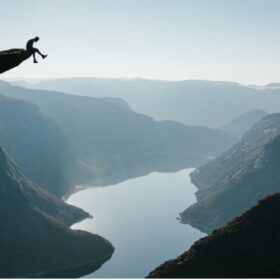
(138,217)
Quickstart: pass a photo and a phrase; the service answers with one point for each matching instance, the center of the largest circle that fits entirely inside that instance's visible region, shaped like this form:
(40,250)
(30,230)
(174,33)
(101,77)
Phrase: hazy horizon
(31,79)
(152,39)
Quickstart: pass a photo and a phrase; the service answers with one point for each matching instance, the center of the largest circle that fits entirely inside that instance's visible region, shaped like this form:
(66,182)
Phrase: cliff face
(12,58)
(247,247)
(34,238)
(235,181)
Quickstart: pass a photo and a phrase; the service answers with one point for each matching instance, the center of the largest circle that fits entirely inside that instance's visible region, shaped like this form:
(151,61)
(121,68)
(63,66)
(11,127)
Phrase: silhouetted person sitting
(32,50)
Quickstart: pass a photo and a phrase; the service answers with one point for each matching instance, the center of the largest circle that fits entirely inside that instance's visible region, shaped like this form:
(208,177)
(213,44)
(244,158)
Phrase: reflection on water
(138,217)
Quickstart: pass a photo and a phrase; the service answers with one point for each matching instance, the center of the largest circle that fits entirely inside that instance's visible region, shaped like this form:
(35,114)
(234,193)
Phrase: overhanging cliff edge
(10,59)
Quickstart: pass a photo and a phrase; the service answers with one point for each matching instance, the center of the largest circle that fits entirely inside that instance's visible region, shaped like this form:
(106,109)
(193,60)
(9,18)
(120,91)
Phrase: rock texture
(248,247)
(235,181)
(12,58)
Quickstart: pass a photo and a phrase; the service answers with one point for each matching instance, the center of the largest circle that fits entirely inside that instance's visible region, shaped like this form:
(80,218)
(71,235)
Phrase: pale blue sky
(234,40)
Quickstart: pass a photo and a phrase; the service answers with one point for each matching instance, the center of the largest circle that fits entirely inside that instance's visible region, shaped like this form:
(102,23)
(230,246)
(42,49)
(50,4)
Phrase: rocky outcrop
(248,247)
(12,58)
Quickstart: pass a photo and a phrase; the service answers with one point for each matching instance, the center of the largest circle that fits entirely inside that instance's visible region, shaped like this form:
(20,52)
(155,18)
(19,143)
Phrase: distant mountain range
(113,142)
(191,102)
(247,247)
(233,182)
(35,238)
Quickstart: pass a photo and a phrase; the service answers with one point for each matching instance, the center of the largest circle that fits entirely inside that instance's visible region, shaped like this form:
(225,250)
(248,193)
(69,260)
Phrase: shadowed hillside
(42,152)
(247,247)
(34,240)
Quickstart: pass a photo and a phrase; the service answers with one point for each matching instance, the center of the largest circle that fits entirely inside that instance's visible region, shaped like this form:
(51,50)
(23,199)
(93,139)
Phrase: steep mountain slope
(48,203)
(39,198)
(233,182)
(115,142)
(192,102)
(239,125)
(33,240)
(246,247)
(41,150)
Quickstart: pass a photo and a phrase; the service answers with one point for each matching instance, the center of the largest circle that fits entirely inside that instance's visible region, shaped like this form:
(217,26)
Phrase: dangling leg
(34,58)
(42,55)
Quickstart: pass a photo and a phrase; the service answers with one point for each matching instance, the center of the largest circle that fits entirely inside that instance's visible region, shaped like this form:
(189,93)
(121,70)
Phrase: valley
(139,217)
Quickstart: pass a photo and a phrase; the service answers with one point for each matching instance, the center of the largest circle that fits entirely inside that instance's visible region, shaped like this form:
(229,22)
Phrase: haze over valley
(139,139)
(115,144)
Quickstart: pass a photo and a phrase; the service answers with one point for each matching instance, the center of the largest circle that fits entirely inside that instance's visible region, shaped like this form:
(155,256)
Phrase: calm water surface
(138,217)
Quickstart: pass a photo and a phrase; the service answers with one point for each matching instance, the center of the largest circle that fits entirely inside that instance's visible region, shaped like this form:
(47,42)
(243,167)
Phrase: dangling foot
(44,56)
(35,61)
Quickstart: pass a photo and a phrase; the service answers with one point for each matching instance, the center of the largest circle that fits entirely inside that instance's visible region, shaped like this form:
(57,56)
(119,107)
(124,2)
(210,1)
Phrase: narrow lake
(138,217)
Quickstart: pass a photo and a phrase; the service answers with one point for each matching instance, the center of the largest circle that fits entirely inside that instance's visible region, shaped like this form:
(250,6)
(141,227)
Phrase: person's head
(36,39)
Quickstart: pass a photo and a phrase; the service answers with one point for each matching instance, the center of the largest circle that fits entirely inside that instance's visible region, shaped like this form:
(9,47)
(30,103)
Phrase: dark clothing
(29,45)
(31,50)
